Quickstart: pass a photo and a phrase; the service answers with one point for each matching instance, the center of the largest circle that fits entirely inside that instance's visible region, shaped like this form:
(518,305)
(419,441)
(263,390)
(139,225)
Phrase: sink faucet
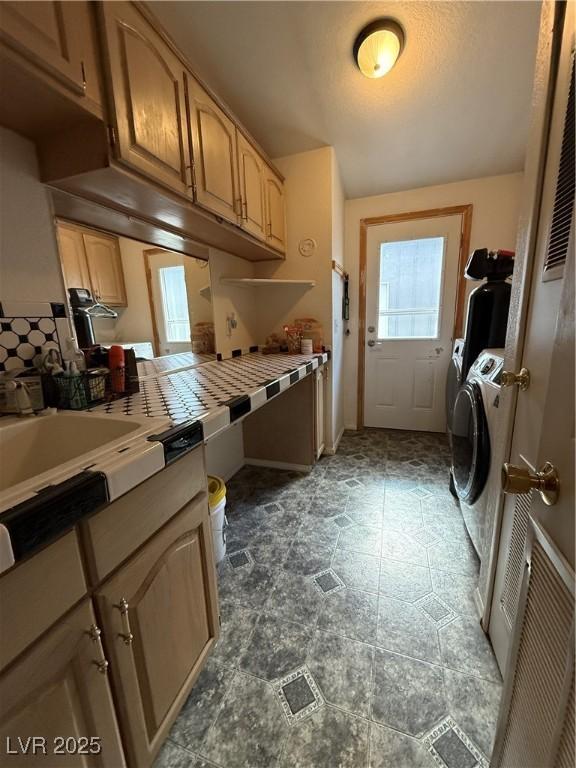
(22,396)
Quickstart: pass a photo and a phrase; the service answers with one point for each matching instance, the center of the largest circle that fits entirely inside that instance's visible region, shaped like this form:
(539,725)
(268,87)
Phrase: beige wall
(134,323)
(308,188)
(496,202)
(227,299)
(336,395)
(29,262)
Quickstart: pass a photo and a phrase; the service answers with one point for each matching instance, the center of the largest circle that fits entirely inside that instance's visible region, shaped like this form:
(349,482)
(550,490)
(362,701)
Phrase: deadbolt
(371,329)
(522,480)
(371,343)
(522,379)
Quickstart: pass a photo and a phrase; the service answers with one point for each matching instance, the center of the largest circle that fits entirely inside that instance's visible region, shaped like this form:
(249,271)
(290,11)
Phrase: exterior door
(275,213)
(147,82)
(105,268)
(411,284)
(160,618)
(213,137)
(531,420)
(60,689)
(45,32)
(251,188)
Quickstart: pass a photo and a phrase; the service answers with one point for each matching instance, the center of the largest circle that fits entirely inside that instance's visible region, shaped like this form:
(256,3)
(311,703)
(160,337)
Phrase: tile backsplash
(28,327)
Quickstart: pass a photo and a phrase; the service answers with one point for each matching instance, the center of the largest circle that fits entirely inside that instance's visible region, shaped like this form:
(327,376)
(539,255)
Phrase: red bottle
(117,365)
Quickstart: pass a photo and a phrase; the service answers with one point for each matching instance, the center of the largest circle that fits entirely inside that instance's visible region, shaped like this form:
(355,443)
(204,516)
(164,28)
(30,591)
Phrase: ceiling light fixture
(378,46)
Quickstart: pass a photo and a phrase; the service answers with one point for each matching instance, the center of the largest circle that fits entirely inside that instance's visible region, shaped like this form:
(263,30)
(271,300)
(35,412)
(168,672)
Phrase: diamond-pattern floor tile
(349,633)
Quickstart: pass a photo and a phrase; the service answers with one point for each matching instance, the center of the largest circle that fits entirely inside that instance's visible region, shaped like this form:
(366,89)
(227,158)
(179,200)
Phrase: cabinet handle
(269,229)
(244,210)
(94,634)
(238,206)
(102,666)
(127,635)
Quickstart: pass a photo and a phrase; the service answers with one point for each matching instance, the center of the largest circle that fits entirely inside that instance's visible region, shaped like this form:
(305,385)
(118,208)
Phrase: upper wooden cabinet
(147,89)
(105,269)
(58,39)
(46,32)
(60,688)
(214,157)
(159,613)
(73,257)
(251,171)
(92,260)
(275,213)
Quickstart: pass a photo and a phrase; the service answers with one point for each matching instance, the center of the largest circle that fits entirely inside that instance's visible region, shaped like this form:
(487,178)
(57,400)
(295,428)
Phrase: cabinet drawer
(112,535)
(37,593)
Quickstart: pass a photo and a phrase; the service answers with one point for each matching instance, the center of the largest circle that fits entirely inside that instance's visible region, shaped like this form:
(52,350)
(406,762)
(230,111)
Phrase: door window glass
(175,303)
(410,290)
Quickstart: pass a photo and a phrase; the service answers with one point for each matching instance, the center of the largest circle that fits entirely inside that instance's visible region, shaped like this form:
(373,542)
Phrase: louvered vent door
(563,210)
(515,562)
(537,695)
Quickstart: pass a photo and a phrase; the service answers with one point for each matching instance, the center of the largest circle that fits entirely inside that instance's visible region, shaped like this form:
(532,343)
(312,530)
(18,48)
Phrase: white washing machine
(453,381)
(474,421)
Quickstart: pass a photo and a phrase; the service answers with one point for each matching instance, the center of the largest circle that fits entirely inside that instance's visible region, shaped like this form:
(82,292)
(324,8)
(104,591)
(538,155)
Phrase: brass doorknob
(522,378)
(522,480)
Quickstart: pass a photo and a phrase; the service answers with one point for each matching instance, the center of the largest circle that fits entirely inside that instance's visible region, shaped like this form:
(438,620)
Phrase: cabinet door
(73,257)
(45,33)
(60,689)
(215,162)
(105,269)
(160,619)
(147,84)
(275,215)
(251,170)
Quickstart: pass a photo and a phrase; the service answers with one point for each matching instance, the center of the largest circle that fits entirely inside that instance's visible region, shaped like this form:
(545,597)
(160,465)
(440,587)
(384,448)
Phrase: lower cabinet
(160,619)
(57,706)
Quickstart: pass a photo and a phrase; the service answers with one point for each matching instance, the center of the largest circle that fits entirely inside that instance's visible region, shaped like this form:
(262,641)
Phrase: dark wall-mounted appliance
(488,304)
(84,309)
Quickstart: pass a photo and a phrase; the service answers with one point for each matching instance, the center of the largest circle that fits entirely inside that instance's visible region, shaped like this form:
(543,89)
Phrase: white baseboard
(279,465)
(331,450)
(233,471)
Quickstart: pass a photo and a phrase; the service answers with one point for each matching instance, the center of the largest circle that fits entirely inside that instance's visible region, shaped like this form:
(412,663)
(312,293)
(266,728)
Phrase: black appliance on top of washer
(488,304)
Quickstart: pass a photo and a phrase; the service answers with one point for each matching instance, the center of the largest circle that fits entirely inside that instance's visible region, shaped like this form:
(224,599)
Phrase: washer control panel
(489,366)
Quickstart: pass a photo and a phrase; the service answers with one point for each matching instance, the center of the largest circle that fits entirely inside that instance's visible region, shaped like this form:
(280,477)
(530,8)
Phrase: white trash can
(218,522)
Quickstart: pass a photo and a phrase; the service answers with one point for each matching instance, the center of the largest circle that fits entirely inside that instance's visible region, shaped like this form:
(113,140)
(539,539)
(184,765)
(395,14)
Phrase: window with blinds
(564,199)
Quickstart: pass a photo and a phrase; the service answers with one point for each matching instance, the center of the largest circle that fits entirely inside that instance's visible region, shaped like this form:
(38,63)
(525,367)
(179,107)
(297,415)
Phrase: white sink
(42,450)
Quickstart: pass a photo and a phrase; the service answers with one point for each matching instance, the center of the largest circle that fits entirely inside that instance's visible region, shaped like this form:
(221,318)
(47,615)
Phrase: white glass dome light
(378,47)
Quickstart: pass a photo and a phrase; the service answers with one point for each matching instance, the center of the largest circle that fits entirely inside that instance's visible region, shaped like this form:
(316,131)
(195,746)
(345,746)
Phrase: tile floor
(349,633)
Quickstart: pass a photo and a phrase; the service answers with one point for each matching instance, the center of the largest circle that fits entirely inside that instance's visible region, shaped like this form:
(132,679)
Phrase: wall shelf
(250,282)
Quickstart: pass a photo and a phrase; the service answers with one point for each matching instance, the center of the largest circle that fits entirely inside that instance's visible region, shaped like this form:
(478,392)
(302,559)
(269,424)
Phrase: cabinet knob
(94,632)
(102,666)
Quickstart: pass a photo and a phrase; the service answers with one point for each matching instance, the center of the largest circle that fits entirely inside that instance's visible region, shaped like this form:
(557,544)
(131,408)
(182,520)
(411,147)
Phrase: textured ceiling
(455,106)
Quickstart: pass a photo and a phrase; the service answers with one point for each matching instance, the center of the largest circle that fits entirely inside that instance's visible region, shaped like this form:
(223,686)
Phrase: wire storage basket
(82,389)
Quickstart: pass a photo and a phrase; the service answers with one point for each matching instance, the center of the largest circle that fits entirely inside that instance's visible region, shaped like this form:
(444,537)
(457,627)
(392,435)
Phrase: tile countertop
(216,393)
(172,363)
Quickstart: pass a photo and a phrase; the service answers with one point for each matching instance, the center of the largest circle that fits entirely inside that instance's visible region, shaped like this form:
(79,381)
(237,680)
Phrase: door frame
(465,212)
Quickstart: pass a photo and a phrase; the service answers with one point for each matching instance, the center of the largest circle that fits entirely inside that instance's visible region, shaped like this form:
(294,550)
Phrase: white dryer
(474,421)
